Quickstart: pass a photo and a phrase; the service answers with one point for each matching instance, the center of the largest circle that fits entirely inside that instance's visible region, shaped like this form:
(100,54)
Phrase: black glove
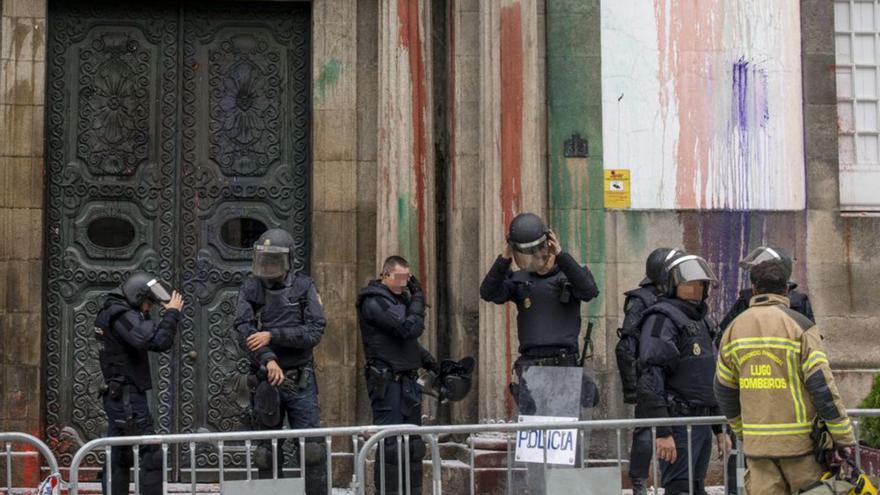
(432,366)
(413,285)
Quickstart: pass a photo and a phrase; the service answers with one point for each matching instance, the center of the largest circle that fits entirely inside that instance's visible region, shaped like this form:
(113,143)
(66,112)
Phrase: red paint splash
(688,34)
(511,137)
(511,111)
(410,39)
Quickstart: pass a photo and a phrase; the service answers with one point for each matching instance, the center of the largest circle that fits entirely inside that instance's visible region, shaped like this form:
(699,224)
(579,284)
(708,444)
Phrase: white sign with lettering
(561,445)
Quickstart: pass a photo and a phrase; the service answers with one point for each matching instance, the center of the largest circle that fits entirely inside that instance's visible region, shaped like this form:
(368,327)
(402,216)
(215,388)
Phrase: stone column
(405,168)
(334,202)
(22,77)
(463,190)
(513,165)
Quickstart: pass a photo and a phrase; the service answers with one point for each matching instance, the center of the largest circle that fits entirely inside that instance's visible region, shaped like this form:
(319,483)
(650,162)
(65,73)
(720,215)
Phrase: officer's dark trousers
(300,406)
(642,448)
(675,476)
(401,404)
(129,415)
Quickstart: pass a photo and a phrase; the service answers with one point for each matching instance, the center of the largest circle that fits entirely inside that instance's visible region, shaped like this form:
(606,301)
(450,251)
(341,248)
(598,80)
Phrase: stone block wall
(22,76)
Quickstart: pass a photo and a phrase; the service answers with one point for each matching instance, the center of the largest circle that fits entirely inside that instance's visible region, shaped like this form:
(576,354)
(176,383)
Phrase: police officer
(637,301)
(548,290)
(772,380)
(391,315)
(280,318)
(798,301)
(677,365)
(126,334)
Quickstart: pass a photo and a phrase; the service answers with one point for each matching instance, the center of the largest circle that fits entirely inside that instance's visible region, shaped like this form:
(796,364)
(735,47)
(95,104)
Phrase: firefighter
(772,380)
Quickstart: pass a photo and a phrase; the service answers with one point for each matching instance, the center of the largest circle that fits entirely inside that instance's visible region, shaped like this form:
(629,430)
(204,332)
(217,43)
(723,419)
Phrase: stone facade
(433,123)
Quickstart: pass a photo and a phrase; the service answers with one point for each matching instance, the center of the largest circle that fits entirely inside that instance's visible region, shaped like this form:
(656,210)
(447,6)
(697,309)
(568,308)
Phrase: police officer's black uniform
(636,303)
(800,302)
(390,327)
(677,357)
(125,337)
(290,309)
(548,305)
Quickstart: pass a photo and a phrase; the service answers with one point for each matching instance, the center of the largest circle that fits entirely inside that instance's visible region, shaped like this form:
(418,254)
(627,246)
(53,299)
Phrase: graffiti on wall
(702,102)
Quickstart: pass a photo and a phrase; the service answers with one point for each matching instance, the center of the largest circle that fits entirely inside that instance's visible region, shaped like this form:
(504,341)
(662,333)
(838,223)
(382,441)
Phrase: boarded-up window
(858,57)
(701,100)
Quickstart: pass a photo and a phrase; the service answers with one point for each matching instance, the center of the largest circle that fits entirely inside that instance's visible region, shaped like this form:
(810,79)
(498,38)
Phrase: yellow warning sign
(617,188)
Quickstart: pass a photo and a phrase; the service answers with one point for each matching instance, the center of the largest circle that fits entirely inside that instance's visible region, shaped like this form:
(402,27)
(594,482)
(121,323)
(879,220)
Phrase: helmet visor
(530,256)
(758,256)
(533,247)
(530,262)
(270,261)
(158,292)
(692,269)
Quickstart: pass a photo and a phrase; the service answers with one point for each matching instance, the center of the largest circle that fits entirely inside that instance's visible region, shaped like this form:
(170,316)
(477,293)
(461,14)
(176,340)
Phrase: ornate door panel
(175,136)
(111,174)
(245,164)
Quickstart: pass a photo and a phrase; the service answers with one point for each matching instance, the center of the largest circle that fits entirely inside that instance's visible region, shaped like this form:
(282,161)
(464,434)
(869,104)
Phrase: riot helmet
(453,382)
(684,268)
(140,286)
(765,253)
(655,263)
(273,254)
(528,238)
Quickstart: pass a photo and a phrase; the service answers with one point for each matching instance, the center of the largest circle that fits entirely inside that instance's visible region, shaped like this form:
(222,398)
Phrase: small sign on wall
(618,194)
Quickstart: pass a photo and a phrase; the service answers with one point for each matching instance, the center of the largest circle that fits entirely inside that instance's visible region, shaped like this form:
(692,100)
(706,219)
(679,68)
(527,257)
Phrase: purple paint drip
(741,94)
(723,240)
(750,113)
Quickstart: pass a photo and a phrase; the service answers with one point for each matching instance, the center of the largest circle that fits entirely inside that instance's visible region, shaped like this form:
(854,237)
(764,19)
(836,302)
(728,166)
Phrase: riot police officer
(548,290)
(798,301)
(126,334)
(280,318)
(391,315)
(677,367)
(637,301)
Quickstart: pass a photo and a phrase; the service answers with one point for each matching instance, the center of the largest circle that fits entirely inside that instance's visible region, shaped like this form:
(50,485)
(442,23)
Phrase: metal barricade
(10,438)
(248,438)
(617,426)
(855,416)
(432,432)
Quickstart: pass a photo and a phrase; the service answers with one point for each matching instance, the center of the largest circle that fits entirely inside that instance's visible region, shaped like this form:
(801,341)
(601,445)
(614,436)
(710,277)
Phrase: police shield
(551,394)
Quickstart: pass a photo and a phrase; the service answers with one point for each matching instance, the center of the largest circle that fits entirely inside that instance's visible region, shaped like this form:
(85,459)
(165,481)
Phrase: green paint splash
(407,230)
(573,83)
(328,78)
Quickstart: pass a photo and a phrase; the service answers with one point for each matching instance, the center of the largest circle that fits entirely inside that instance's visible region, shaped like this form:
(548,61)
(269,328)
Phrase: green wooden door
(176,134)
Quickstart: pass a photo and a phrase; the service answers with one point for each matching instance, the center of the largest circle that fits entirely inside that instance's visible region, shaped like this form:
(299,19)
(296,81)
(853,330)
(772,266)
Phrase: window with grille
(857,46)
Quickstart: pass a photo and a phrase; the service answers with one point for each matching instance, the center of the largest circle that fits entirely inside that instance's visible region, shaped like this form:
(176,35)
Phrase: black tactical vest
(691,378)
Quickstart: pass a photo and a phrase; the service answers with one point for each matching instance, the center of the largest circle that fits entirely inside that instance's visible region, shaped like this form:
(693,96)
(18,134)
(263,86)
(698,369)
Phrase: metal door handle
(192,355)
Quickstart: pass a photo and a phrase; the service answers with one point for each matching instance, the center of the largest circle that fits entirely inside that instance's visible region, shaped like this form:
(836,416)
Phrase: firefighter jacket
(773,379)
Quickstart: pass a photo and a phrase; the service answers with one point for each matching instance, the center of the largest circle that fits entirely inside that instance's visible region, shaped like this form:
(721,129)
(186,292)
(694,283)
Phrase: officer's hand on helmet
(553,244)
(176,302)
(666,449)
(413,285)
(508,252)
(724,444)
(274,374)
(258,339)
